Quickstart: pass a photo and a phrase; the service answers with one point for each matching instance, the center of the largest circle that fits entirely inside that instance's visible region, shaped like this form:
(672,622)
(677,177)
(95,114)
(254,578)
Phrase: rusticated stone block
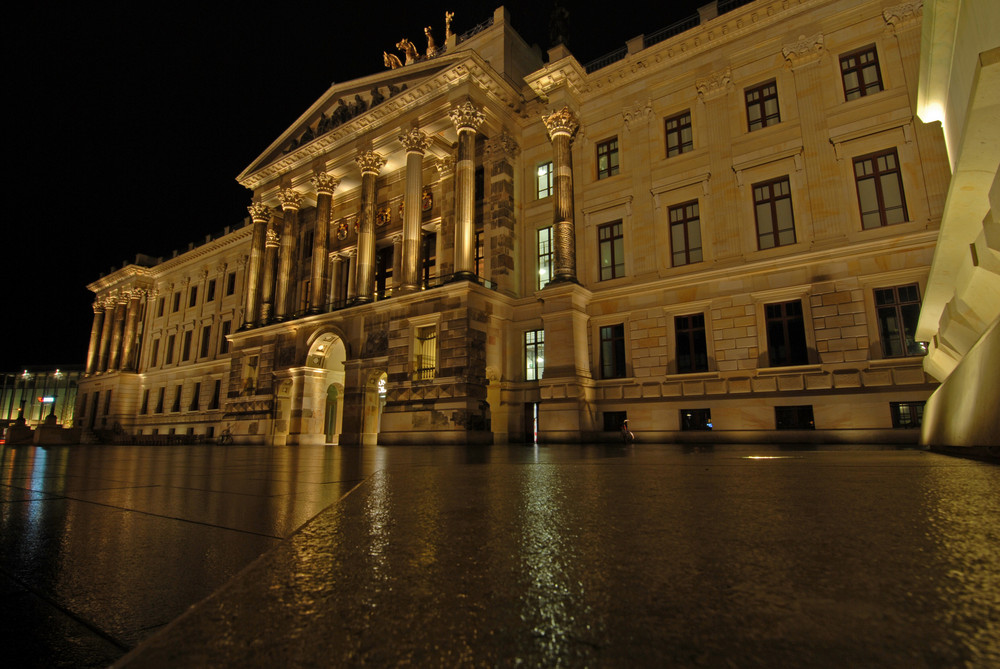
(876,378)
(766,384)
(632,392)
(847,379)
(791,382)
(818,381)
(672,389)
(715,387)
(741,385)
(651,390)
(694,388)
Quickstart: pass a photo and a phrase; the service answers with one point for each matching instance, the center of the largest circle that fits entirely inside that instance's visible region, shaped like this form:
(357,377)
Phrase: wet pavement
(551,556)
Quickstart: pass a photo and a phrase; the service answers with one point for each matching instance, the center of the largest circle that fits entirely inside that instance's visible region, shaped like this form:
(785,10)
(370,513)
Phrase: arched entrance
(323,389)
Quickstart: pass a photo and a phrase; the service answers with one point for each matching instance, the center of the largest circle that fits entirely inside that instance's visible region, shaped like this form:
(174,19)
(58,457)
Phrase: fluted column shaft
(109,318)
(290,201)
(371,164)
(131,330)
(336,269)
(352,274)
(325,186)
(270,261)
(408,280)
(95,338)
(117,333)
(260,215)
(467,119)
(562,125)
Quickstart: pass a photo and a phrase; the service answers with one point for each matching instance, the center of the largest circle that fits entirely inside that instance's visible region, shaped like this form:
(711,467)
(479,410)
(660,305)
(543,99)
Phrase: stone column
(290,201)
(260,215)
(499,156)
(370,164)
(352,273)
(408,280)
(336,270)
(325,186)
(467,119)
(117,331)
(270,260)
(95,338)
(561,126)
(446,232)
(131,330)
(109,318)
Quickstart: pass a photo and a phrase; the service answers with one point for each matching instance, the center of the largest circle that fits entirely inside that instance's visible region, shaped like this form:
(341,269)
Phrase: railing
(474,30)
(671,30)
(729,5)
(607,59)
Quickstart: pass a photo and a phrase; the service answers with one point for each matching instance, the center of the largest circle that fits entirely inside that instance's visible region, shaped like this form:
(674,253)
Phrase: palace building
(721,232)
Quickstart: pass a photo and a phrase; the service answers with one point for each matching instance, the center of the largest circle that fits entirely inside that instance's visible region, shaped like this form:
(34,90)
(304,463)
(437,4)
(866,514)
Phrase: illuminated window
(544,179)
(762,105)
(679,137)
(794,417)
(534,354)
(907,414)
(691,347)
(897,310)
(685,234)
(696,419)
(613,351)
(425,352)
(611,247)
(880,189)
(786,334)
(860,73)
(544,257)
(607,158)
(772,201)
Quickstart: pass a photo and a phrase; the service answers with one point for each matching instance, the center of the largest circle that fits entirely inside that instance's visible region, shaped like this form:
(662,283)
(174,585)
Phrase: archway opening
(324,391)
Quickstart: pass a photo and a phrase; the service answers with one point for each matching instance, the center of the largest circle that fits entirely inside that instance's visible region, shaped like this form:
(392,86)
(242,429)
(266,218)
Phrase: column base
(360,300)
(463,276)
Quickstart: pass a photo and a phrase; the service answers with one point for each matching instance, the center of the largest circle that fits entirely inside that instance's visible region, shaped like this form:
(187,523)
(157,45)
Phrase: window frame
(907,346)
(761,90)
(685,222)
(877,176)
(534,349)
(914,419)
(544,180)
(545,256)
(862,88)
(612,351)
(680,146)
(773,202)
(789,359)
(613,236)
(608,150)
(690,329)
(797,412)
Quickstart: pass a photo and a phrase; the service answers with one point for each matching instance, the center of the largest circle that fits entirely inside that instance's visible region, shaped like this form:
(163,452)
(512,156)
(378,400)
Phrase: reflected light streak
(771,457)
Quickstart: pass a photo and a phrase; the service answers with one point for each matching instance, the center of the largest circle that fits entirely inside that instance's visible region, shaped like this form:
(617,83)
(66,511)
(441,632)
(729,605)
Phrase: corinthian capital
(259,212)
(290,199)
(369,162)
(324,183)
(415,141)
(562,122)
(467,117)
(271,239)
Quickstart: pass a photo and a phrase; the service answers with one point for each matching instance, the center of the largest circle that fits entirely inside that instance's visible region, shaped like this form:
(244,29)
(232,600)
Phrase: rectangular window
(480,249)
(544,257)
(304,293)
(772,202)
(613,351)
(107,402)
(786,334)
(425,352)
(193,296)
(223,341)
(83,405)
(186,345)
(169,355)
(154,353)
(177,303)
(696,419)
(144,409)
(611,244)
(206,341)
(692,351)
(794,418)
(679,137)
(231,283)
(860,73)
(607,158)
(216,393)
(613,420)
(907,414)
(685,234)
(762,105)
(880,189)
(534,354)
(195,397)
(544,180)
(159,399)
(160,306)
(177,400)
(210,291)
(898,309)
(428,257)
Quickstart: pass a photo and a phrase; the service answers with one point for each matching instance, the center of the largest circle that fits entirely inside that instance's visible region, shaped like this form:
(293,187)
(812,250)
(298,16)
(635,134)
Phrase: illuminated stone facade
(723,235)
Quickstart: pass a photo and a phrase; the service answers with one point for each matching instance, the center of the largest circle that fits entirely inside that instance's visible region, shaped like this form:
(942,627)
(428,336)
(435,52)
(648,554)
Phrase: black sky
(132,121)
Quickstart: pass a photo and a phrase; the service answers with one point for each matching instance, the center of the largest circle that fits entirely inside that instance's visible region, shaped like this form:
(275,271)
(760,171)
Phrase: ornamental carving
(562,122)
(369,162)
(383,216)
(342,230)
(427,199)
(271,241)
(714,85)
(415,141)
(445,166)
(805,50)
(903,15)
(637,115)
(324,183)
(290,199)
(502,146)
(467,117)
(259,212)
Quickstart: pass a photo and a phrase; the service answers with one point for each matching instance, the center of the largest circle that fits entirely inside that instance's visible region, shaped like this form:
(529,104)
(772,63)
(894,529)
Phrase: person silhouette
(627,436)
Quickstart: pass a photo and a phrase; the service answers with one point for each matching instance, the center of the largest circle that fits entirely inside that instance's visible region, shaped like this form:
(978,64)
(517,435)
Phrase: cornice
(564,72)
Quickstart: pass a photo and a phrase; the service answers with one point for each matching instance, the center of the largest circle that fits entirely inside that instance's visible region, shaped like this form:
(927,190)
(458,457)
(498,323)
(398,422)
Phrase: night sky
(131,124)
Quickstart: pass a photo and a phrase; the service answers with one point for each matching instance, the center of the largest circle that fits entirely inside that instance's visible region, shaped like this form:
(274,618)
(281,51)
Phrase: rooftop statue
(391,60)
(406,46)
(432,49)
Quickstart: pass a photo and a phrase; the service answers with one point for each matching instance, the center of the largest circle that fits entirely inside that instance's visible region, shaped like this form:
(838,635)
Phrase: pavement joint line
(67,612)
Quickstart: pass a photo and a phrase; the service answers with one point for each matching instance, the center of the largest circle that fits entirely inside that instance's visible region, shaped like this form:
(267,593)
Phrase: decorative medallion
(342,230)
(383,216)
(427,199)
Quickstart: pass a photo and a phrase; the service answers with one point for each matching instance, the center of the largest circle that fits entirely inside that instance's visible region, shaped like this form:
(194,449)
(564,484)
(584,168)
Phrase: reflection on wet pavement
(575,555)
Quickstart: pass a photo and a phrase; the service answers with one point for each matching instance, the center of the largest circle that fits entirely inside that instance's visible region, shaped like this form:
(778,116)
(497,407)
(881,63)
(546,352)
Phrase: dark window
(231,283)
(613,420)
(177,303)
(223,342)
(186,345)
(210,291)
(160,305)
(304,293)
(544,257)
(880,189)
(679,137)
(169,356)
(154,353)
(107,403)
(692,351)
(544,180)
(480,253)
(195,397)
(193,296)
(860,73)
(607,158)
(216,392)
(611,245)
(534,354)
(907,414)
(696,419)
(145,402)
(206,341)
(794,418)
(428,256)
(773,210)
(383,271)
(83,405)
(898,309)
(159,399)
(786,334)
(613,351)
(177,400)
(762,105)
(685,234)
